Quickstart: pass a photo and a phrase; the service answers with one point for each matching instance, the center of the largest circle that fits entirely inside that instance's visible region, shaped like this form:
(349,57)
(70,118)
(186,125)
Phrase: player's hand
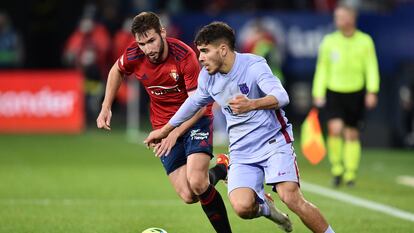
(371,100)
(240,104)
(154,138)
(319,102)
(104,119)
(164,148)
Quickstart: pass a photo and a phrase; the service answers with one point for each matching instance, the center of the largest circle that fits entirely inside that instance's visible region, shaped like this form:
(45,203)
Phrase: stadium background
(94,181)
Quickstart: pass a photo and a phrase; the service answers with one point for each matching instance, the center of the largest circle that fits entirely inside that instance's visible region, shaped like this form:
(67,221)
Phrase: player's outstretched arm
(189,112)
(114,81)
(165,146)
(156,135)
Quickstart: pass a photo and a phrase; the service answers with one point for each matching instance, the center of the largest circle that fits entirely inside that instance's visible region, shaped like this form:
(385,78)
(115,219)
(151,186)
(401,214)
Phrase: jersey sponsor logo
(174,75)
(161,90)
(244,88)
(196,134)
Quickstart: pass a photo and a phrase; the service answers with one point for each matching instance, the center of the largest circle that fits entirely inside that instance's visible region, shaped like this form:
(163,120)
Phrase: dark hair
(144,22)
(214,32)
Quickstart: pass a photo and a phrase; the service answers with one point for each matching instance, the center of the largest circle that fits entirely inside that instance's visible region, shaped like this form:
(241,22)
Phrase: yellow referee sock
(335,154)
(352,156)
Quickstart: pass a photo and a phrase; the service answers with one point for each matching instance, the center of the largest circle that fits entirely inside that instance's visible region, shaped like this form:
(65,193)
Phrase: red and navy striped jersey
(166,83)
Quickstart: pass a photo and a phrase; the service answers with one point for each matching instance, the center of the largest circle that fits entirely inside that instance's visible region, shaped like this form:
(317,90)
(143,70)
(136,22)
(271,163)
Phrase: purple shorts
(279,167)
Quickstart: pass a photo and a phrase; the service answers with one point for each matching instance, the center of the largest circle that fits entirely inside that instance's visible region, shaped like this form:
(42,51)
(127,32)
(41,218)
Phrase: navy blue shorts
(198,139)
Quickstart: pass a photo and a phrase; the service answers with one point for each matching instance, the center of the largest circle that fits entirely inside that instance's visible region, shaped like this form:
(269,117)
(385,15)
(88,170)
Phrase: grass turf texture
(98,182)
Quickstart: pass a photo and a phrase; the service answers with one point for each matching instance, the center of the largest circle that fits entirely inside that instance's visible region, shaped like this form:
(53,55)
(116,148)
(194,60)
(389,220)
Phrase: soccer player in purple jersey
(261,138)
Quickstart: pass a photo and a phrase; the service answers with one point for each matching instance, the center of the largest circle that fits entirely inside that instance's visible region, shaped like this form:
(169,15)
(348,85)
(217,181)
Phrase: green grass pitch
(98,182)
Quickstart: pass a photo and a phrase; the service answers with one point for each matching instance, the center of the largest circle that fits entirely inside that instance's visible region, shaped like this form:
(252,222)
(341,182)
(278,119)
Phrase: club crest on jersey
(174,75)
(244,88)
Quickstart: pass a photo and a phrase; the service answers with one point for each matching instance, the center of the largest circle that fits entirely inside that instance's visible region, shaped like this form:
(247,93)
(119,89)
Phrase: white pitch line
(357,201)
(406,180)
(309,187)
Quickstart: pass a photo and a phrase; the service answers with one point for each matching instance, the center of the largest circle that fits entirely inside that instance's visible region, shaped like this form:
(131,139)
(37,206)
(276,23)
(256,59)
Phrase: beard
(157,58)
(214,66)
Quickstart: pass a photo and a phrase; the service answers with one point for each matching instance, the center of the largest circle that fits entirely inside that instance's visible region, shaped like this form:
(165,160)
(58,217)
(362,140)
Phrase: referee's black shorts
(349,107)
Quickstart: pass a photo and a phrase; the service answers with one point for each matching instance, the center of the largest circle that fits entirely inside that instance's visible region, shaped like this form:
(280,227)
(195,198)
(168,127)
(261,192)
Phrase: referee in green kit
(345,83)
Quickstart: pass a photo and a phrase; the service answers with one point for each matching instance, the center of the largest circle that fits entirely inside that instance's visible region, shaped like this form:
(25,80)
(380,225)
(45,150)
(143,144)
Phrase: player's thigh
(176,158)
(199,138)
(249,176)
(289,192)
(281,166)
(197,168)
(199,151)
(178,179)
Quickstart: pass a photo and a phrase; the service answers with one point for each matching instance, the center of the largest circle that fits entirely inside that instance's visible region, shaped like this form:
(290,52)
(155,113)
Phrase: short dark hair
(215,32)
(144,22)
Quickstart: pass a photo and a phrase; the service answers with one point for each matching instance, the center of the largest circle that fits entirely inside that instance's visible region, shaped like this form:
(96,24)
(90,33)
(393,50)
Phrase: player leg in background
(181,168)
(335,141)
(181,184)
(219,172)
(246,194)
(210,199)
(310,215)
(352,154)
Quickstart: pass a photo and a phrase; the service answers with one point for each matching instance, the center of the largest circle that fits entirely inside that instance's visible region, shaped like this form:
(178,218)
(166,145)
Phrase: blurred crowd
(11,45)
(103,31)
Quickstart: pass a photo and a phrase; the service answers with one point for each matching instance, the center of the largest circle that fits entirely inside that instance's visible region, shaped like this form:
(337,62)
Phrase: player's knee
(351,134)
(291,199)
(198,184)
(336,132)
(335,128)
(188,197)
(243,208)
(288,194)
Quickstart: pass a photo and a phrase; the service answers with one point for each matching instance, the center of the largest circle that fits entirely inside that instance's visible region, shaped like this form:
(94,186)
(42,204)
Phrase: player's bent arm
(114,81)
(179,131)
(112,85)
(187,110)
(276,95)
(267,102)
(170,140)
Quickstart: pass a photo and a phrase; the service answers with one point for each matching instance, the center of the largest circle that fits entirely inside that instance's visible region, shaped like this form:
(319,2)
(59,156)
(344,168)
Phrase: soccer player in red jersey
(169,69)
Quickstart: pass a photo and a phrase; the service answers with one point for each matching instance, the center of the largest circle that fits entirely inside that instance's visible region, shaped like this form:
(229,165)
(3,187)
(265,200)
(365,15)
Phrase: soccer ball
(154,230)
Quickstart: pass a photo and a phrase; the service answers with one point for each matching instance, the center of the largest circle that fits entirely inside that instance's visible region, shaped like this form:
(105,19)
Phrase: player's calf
(277,216)
(219,172)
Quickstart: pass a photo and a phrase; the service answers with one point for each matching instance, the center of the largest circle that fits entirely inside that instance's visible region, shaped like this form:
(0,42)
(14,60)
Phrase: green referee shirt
(346,64)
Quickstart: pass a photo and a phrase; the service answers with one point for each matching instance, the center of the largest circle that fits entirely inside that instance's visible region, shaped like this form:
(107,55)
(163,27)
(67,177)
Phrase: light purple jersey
(254,134)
